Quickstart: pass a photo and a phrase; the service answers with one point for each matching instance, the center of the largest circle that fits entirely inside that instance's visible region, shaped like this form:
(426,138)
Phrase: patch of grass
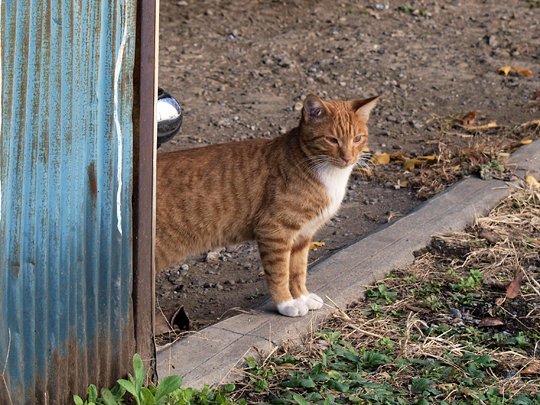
(136,390)
(422,335)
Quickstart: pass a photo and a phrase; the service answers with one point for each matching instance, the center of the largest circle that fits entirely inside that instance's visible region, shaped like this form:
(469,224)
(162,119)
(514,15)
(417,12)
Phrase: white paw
(295,307)
(312,301)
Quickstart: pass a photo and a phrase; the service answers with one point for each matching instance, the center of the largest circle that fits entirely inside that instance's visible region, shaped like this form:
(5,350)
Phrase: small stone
(455,313)
(230,282)
(212,257)
(298,106)
(219,287)
(492,41)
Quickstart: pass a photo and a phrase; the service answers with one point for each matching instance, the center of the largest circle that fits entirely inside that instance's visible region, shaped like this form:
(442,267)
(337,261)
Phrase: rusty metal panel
(66,97)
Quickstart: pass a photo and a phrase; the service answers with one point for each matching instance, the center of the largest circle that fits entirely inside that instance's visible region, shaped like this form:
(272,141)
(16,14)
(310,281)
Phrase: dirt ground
(241,69)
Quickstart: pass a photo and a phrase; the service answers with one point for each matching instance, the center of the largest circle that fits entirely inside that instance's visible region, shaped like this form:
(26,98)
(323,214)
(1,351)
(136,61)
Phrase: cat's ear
(314,109)
(364,107)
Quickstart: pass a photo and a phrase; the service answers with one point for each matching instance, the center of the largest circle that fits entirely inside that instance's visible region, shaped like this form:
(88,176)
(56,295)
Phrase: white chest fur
(334,180)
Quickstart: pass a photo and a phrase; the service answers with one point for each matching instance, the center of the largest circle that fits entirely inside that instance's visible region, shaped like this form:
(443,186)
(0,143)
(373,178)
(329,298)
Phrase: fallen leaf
(490,322)
(504,70)
(410,164)
(489,235)
(529,123)
(489,125)
(532,368)
(381,159)
(526,141)
(392,215)
(522,71)
(469,118)
(500,301)
(513,289)
(180,319)
(531,181)
(316,245)
(403,183)
(428,158)
(398,156)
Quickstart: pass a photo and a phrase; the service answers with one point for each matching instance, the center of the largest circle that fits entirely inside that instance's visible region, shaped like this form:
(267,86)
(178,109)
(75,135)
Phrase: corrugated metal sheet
(65,196)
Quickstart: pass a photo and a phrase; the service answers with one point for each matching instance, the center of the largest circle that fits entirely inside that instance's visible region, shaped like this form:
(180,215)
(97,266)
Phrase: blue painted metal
(65,196)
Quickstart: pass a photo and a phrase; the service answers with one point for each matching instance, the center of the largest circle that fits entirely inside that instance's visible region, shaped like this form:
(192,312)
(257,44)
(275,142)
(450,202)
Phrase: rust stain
(92,180)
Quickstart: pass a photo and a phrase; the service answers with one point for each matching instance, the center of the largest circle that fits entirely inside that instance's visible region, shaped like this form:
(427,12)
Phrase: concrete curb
(211,355)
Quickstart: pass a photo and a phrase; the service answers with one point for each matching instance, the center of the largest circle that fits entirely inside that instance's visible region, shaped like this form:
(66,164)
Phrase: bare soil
(241,69)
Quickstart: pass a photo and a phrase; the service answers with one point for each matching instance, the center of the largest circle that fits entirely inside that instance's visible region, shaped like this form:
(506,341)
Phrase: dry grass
(458,152)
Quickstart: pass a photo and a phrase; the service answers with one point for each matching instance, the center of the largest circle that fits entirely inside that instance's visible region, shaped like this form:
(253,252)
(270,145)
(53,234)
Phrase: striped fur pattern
(278,192)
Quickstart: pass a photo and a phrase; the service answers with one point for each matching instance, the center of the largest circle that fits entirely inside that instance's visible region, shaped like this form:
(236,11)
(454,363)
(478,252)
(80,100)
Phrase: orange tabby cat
(277,192)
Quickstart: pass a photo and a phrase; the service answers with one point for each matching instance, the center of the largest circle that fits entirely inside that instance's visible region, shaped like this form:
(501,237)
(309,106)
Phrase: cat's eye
(358,138)
(332,140)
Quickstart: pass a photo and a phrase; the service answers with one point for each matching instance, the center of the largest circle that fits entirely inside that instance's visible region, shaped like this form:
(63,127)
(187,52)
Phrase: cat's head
(335,131)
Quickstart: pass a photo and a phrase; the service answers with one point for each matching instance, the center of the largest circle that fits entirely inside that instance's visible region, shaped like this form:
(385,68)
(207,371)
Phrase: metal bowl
(169,117)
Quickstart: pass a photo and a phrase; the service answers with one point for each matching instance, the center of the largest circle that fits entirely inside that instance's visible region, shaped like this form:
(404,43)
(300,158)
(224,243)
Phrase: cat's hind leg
(275,255)
(298,274)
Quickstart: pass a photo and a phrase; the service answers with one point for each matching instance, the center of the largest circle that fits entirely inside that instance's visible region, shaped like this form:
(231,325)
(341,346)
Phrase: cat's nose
(348,159)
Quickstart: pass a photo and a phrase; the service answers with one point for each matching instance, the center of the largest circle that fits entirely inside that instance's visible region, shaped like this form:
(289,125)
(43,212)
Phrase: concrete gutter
(212,355)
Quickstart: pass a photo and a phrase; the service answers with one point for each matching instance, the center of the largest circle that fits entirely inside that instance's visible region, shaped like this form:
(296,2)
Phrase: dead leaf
(381,159)
(489,125)
(392,215)
(532,368)
(514,288)
(161,324)
(531,181)
(489,235)
(413,163)
(526,141)
(398,156)
(402,183)
(500,301)
(427,158)
(410,164)
(504,70)
(469,118)
(522,71)
(316,245)
(529,123)
(180,319)
(490,322)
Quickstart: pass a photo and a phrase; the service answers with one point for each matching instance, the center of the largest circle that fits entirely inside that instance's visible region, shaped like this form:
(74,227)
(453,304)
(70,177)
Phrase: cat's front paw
(312,301)
(296,307)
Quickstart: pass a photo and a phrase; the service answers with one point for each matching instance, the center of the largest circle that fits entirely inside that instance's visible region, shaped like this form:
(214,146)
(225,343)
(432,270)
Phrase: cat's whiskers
(312,162)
